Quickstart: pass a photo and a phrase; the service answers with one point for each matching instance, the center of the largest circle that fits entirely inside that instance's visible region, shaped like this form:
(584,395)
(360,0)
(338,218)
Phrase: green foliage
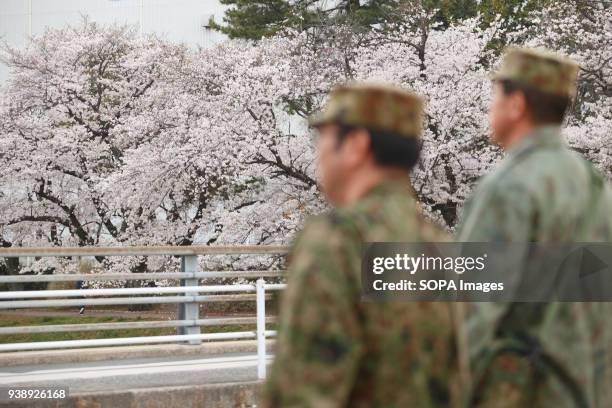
(512,13)
(254,19)
(10,321)
(13,321)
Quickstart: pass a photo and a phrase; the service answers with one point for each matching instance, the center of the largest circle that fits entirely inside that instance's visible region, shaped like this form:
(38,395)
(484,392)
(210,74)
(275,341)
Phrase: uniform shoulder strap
(527,348)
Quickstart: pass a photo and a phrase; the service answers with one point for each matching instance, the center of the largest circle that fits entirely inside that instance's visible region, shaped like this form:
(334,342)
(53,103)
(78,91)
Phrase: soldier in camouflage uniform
(333,349)
(538,355)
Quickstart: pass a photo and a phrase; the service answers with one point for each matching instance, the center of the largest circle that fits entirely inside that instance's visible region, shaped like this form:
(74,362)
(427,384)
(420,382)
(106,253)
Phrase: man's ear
(518,106)
(357,147)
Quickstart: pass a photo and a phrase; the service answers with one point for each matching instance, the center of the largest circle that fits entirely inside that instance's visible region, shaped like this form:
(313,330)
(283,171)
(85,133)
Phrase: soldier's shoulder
(324,240)
(531,168)
(551,168)
(333,220)
(503,183)
(328,229)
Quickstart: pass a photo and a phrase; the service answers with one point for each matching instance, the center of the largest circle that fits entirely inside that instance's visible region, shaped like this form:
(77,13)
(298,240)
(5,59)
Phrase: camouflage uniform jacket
(556,354)
(334,350)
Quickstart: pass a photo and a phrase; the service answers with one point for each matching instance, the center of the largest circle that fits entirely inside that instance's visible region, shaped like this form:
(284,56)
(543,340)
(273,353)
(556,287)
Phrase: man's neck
(520,132)
(365,181)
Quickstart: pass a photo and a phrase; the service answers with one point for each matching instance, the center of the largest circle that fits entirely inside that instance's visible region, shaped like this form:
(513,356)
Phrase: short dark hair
(389,149)
(545,108)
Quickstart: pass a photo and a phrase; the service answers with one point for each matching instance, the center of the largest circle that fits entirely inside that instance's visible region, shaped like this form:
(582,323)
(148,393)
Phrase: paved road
(134,373)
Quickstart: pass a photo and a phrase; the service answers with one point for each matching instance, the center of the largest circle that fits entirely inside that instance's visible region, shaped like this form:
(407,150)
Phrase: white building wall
(174,20)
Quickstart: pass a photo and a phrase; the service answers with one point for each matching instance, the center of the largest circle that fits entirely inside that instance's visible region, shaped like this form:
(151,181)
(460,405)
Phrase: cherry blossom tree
(69,90)
(108,138)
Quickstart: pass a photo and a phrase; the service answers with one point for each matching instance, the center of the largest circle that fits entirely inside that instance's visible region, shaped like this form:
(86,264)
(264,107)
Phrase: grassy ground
(12,320)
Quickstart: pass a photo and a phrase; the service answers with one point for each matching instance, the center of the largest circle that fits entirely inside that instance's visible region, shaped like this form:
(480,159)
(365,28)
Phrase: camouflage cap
(373,106)
(539,69)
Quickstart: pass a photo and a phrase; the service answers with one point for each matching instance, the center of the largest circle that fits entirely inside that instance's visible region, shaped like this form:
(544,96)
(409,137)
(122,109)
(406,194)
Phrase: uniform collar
(387,187)
(541,136)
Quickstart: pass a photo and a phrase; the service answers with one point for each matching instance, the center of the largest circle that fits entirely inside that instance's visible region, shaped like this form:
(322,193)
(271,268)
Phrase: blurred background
(185,21)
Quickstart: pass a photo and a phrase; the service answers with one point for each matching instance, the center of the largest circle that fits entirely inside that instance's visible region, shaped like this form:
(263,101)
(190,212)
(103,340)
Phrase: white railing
(187,296)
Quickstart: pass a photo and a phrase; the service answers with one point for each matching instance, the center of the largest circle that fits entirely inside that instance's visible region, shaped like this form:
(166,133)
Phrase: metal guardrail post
(261,328)
(189,310)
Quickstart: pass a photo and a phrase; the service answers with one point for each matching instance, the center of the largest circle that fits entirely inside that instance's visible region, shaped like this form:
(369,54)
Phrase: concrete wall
(231,395)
